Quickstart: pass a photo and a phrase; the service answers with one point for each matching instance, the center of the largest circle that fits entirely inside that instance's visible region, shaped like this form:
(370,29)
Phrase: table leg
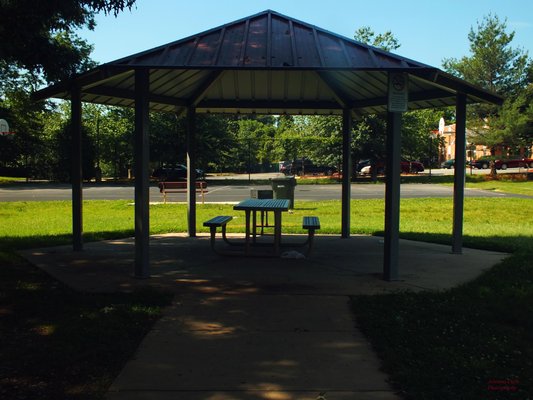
(254,226)
(277,231)
(247,230)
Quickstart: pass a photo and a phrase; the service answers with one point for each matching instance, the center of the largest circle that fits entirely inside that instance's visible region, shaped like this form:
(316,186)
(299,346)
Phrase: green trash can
(283,188)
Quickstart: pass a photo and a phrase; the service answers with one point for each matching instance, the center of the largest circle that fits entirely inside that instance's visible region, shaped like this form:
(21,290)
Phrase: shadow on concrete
(257,328)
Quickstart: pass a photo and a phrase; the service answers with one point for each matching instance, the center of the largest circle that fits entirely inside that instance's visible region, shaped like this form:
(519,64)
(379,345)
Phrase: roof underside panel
(264,91)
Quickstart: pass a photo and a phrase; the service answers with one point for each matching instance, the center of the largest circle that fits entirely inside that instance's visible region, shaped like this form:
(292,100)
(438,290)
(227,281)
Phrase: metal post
(392,197)
(142,179)
(459,174)
(346,172)
(191,171)
(76,178)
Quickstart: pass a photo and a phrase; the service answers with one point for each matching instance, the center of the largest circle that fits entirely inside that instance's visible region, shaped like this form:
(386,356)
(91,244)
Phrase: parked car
(306,167)
(514,163)
(407,167)
(484,163)
(448,164)
(175,172)
(361,164)
(481,163)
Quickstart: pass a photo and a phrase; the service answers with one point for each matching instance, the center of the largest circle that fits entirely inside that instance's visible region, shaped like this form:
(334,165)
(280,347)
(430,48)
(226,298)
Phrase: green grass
(5,180)
(61,344)
(500,224)
(505,183)
(452,345)
(57,343)
(505,186)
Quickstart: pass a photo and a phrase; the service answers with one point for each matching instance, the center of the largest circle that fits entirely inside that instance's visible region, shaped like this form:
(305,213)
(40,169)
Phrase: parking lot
(228,193)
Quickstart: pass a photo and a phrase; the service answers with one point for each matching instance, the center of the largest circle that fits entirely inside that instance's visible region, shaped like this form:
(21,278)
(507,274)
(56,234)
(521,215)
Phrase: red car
(514,163)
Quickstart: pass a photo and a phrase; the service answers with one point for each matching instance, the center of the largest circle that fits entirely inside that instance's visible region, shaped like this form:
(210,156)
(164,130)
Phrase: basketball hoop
(4,129)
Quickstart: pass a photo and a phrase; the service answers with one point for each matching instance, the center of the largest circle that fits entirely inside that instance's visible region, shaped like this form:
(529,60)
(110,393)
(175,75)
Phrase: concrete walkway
(255,328)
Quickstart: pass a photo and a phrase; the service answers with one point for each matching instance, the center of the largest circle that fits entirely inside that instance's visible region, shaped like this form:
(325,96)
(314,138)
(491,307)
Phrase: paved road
(226,193)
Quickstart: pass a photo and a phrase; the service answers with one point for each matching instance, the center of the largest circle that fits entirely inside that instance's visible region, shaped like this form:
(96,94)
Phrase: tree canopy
(386,41)
(495,65)
(39,35)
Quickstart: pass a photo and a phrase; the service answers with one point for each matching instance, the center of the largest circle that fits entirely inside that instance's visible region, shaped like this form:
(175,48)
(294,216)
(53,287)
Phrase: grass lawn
(506,186)
(4,180)
(57,343)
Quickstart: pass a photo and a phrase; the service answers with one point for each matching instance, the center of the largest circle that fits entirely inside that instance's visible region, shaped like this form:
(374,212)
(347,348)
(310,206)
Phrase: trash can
(283,188)
(261,194)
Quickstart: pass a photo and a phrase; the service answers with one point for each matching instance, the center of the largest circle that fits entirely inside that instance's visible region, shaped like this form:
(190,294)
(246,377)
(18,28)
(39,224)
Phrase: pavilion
(269,63)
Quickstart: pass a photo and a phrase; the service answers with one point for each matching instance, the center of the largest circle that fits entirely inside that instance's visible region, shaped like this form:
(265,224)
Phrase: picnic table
(251,207)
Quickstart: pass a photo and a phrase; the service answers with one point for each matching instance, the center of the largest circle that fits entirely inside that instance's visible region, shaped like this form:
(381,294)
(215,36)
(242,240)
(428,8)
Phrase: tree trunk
(493,172)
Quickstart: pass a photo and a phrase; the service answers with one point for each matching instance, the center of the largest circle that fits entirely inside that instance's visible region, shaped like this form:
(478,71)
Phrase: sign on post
(398,92)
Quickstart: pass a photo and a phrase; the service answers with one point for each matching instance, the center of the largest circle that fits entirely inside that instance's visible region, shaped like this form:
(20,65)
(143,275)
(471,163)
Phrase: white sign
(398,92)
(4,126)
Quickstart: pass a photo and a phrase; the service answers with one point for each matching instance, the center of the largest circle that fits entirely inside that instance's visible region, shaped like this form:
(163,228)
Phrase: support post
(346,172)
(392,197)
(76,173)
(142,179)
(459,174)
(191,171)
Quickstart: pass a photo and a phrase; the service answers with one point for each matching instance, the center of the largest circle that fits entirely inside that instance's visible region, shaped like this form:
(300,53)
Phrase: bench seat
(180,187)
(310,223)
(219,221)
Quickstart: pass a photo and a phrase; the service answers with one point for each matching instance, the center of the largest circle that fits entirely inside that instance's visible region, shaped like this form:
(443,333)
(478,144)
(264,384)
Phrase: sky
(428,31)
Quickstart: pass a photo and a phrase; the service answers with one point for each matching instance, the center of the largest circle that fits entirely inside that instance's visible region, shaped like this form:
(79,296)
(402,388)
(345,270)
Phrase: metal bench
(181,187)
(311,224)
(218,222)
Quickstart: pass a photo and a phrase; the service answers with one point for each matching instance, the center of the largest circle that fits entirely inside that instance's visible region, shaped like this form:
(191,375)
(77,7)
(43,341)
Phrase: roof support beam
(413,97)
(76,178)
(142,179)
(267,104)
(128,94)
(459,174)
(334,88)
(191,171)
(392,197)
(346,171)
(200,93)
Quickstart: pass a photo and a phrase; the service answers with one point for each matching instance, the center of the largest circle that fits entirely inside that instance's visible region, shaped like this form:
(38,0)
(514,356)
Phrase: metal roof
(268,63)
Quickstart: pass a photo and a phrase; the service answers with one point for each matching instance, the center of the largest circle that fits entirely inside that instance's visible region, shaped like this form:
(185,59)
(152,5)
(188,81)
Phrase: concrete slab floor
(337,266)
(258,328)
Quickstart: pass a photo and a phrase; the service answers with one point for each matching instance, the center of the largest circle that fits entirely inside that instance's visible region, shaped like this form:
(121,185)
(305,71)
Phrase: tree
(369,132)
(38,35)
(321,139)
(495,65)
(513,126)
(255,143)
(385,41)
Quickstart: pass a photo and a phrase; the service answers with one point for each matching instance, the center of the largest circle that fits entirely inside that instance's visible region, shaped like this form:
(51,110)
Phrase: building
(446,136)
